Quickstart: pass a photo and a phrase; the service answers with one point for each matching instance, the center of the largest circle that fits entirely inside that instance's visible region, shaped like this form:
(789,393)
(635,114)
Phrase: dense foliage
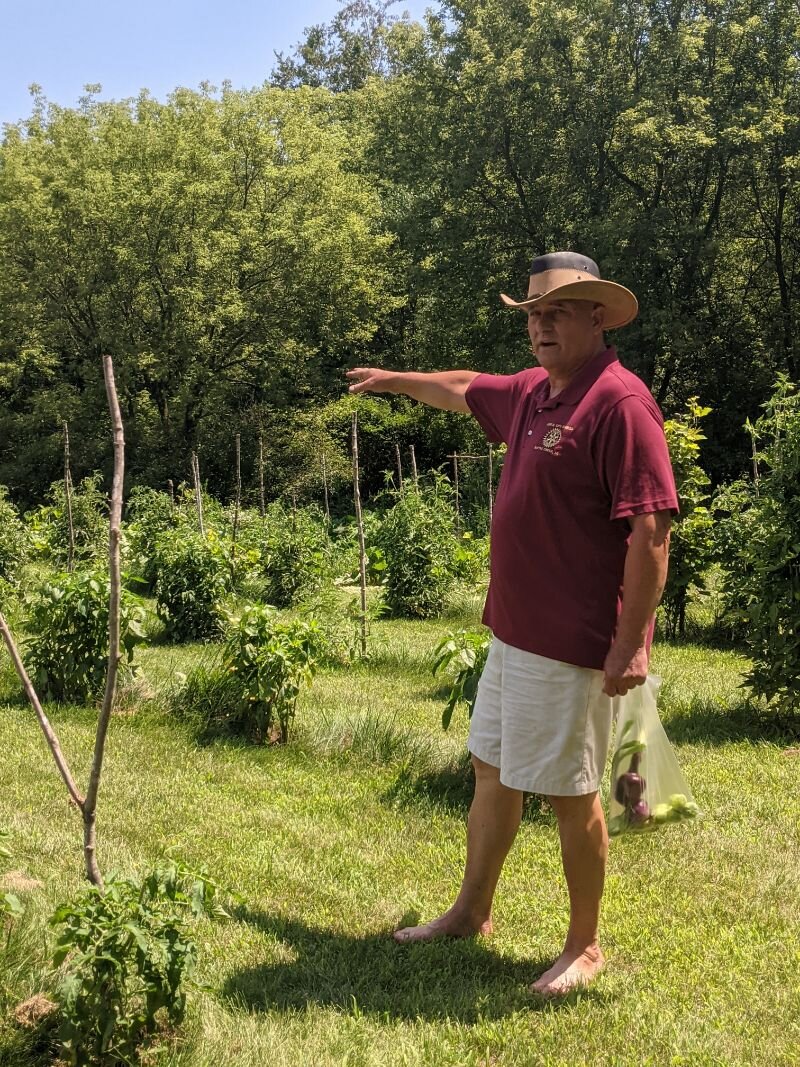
(129,954)
(68,652)
(14,543)
(253,690)
(192,578)
(691,540)
(235,251)
(296,554)
(416,537)
(763,575)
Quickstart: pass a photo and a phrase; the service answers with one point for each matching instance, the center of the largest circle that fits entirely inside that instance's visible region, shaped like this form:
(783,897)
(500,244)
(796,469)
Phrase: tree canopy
(235,251)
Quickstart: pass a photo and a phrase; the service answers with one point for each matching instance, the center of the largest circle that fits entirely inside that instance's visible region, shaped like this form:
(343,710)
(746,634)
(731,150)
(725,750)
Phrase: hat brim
(621,305)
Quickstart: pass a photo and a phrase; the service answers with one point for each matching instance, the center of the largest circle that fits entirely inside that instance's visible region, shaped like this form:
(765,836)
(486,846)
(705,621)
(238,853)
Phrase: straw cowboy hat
(571,276)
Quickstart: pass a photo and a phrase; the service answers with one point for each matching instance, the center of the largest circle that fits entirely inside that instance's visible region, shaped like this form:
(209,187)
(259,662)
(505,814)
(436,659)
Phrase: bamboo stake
(261,503)
(399,466)
(362,553)
(44,722)
(238,495)
(414,465)
(325,489)
(198,496)
(491,485)
(68,495)
(115,576)
(454,458)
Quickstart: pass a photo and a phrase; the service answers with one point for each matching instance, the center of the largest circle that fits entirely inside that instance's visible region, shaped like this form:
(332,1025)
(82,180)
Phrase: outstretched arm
(441,389)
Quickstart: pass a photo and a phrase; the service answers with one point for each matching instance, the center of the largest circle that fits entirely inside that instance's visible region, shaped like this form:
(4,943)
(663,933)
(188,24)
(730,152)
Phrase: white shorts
(544,723)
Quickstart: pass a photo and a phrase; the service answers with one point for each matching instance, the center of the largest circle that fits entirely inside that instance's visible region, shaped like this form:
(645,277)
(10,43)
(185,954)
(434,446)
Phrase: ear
(598,317)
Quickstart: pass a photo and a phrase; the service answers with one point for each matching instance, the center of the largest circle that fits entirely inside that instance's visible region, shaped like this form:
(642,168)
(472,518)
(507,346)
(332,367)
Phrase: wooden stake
(238,501)
(325,489)
(114,655)
(88,804)
(68,496)
(362,552)
(399,466)
(455,486)
(44,722)
(261,503)
(414,465)
(171,491)
(491,484)
(198,496)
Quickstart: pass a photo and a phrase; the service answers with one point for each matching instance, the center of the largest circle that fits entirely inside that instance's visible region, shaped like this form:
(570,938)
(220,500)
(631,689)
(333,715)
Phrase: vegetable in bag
(648,789)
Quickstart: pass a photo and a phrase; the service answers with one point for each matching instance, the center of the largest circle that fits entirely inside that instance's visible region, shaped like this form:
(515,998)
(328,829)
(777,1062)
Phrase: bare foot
(572,970)
(451,924)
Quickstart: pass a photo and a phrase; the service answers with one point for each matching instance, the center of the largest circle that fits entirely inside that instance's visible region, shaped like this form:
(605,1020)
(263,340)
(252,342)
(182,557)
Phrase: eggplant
(639,813)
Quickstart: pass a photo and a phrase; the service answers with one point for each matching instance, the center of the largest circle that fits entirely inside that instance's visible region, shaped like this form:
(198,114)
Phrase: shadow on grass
(450,788)
(462,980)
(713,723)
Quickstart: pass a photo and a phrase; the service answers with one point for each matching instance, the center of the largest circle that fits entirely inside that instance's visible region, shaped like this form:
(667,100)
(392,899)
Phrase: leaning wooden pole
(68,498)
(44,722)
(115,582)
(198,495)
(414,474)
(362,552)
(399,465)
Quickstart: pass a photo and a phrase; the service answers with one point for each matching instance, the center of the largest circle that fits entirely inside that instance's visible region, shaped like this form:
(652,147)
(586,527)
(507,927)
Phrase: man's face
(565,332)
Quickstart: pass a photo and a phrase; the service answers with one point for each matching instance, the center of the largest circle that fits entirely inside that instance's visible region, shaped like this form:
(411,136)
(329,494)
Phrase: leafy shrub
(462,655)
(296,554)
(470,560)
(129,954)
(49,525)
(691,539)
(150,514)
(14,544)
(192,577)
(254,692)
(68,654)
(763,571)
(416,537)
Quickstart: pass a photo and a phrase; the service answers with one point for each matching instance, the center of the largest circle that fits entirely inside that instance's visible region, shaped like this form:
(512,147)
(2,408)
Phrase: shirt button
(530,432)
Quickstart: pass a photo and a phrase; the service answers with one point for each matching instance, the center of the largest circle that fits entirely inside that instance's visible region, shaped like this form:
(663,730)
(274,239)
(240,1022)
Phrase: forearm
(440,389)
(644,578)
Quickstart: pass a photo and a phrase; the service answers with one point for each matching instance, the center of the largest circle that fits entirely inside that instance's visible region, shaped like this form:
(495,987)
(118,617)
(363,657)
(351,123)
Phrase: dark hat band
(565,261)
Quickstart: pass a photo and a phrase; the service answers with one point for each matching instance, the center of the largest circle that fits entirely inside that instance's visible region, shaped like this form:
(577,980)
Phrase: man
(583,511)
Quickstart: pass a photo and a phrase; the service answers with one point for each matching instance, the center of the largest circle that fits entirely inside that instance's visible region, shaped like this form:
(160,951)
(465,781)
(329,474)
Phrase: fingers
(618,687)
(361,379)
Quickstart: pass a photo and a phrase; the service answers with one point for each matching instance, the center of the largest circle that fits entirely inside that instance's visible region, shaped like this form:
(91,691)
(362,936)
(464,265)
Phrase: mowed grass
(358,824)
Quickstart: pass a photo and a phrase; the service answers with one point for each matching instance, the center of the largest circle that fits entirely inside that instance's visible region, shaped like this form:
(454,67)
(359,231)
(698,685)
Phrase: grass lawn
(358,824)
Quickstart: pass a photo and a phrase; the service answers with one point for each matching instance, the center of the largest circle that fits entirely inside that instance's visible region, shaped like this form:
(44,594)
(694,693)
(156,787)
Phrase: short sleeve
(493,400)
(633,461)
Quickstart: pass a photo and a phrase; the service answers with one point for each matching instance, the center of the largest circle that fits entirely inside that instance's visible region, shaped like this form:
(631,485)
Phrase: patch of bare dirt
(30,1012)
(19,882)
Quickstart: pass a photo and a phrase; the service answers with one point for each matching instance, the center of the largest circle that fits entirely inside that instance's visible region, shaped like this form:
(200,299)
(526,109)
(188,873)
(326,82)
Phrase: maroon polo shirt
(577,466)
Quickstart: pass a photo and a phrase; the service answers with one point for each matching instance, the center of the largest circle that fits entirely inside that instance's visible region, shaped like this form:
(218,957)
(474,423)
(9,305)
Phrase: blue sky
(63,45)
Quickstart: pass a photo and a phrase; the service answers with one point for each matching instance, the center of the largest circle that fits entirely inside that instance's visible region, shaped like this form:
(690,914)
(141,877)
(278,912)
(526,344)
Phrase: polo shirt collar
(584,379)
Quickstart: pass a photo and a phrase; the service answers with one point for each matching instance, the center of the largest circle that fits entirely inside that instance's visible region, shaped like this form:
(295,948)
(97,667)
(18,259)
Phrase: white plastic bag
(648,789)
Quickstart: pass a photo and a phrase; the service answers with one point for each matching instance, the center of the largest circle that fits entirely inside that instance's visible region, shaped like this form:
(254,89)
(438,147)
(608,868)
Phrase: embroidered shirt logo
(554,437)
